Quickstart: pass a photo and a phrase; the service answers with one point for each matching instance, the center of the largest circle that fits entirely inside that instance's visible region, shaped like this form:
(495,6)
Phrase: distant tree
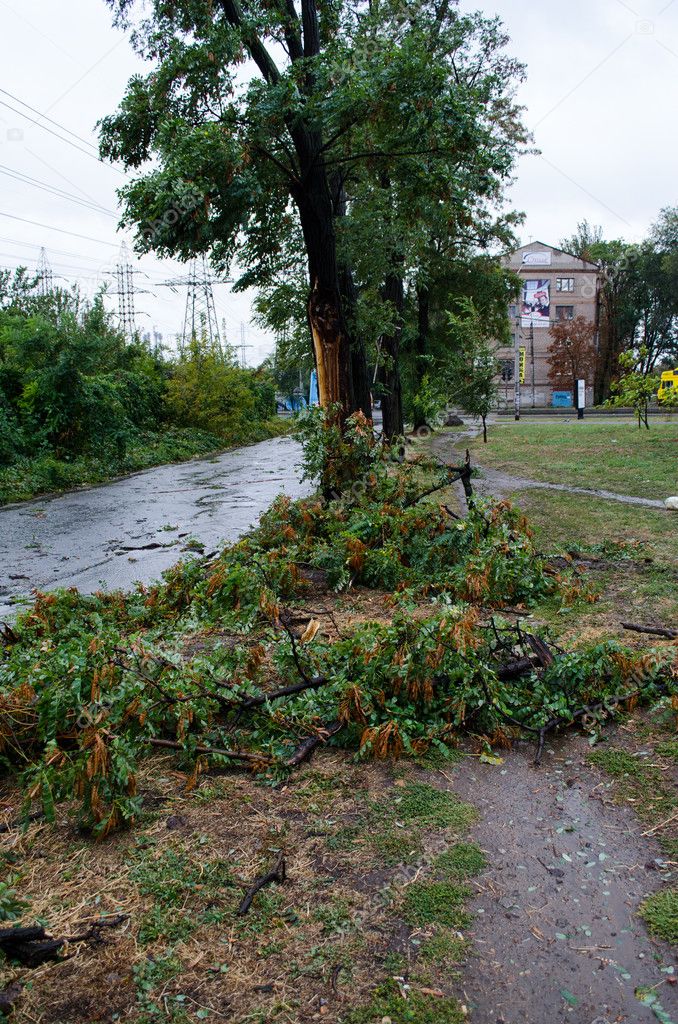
(572,353)
(636,387)
(584,242)
(473,365)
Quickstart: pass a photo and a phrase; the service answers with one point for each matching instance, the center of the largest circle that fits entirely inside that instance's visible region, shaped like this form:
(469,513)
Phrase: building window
(564,284)
(507,369)
(564,312)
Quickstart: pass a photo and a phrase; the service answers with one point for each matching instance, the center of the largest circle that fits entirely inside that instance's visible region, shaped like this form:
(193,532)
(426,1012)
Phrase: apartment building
(555,286)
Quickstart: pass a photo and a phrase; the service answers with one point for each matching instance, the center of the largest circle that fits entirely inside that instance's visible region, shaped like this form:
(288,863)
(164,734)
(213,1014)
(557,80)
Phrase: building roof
(536,245)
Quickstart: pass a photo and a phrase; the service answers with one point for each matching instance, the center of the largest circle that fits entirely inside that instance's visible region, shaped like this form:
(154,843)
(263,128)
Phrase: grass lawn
(612,456)
(633,558)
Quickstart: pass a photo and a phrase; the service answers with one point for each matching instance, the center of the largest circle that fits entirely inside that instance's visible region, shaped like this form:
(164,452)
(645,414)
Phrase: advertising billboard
(536,306)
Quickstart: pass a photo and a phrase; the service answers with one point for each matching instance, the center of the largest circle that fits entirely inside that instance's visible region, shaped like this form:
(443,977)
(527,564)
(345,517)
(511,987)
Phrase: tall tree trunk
(361,395)
(421,342)
(331,343)
(389,367)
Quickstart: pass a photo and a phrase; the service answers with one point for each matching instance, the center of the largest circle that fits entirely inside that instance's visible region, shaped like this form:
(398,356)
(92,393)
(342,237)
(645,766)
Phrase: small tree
(572,353)
(474,366)
(636,386)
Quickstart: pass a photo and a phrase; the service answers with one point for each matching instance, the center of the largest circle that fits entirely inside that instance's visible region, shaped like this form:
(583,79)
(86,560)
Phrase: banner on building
(537,258)
(536,306)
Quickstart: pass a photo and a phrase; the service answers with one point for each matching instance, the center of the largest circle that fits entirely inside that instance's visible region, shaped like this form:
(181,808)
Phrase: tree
(474,363)
(572,353)
(636,387)
(237,164)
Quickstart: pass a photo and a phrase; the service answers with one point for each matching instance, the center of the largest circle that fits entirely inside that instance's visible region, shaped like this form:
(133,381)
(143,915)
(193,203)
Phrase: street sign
(522,360)
(581,398)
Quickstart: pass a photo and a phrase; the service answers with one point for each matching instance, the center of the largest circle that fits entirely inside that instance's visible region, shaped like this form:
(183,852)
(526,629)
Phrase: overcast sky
(600,96)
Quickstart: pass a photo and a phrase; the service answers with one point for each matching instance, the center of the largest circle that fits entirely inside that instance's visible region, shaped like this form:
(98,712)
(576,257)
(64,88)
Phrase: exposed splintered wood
(670,634)
(276,874)
(331,347)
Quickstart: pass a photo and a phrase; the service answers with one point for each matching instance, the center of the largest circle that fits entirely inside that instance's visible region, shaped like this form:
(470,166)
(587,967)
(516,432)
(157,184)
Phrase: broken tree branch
(235,755)
(670,634)
(276,874)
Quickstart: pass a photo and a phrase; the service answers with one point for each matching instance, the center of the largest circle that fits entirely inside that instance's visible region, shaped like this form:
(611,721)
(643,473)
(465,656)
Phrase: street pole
(534,393)
(516,375)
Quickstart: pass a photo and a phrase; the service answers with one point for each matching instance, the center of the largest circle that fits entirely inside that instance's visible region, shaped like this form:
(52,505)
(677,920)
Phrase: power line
(46,118)
(61,138)
(63,231)
(55,190)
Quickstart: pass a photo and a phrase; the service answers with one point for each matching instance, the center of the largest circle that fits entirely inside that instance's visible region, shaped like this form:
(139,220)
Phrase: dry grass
(310,949)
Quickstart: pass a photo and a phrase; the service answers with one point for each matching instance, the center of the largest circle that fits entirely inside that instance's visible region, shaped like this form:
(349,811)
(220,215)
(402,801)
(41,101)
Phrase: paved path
(556,939)
(498,484)
(134,528)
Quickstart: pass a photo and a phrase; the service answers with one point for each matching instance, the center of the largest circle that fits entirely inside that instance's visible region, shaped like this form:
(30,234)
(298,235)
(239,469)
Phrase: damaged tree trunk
(331,342)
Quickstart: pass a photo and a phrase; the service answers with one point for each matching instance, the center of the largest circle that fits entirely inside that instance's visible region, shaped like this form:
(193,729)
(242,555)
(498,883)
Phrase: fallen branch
(276,874)
(670,634)
(235,755)
(94,929)
(311,683)
(31,946)
(307,746)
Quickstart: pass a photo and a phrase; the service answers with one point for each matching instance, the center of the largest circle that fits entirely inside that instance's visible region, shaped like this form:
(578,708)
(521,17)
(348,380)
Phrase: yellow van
(668,387)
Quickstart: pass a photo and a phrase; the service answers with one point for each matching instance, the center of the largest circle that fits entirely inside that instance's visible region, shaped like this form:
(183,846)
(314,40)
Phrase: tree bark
(331,344)
(389,368)
(421,340)
(361,392)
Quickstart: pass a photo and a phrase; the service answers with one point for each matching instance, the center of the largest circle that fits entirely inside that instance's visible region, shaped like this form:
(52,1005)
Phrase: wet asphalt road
(108,537)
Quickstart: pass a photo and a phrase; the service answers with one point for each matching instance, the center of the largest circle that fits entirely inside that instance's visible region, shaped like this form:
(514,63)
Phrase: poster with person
(536,306)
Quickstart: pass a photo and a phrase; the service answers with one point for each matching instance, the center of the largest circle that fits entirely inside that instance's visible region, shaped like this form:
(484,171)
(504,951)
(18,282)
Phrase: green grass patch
(444,949)
(425,805)
(609,456)
(387,1002)
(436,903)
(669,748)
(463,860)
(183,892)
(643,786)
(599,526)
(27,477)
(660,913)
(396,847)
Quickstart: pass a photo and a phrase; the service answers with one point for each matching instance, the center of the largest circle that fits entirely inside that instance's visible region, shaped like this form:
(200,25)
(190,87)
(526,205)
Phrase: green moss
(660,913)
(444,948)
(416,1009)
(436,903)
(462,861)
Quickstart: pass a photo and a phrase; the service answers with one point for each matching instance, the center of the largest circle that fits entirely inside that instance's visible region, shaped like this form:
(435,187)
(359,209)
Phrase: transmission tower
(45,275)
(243,347)
(126,291)
(200,316)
